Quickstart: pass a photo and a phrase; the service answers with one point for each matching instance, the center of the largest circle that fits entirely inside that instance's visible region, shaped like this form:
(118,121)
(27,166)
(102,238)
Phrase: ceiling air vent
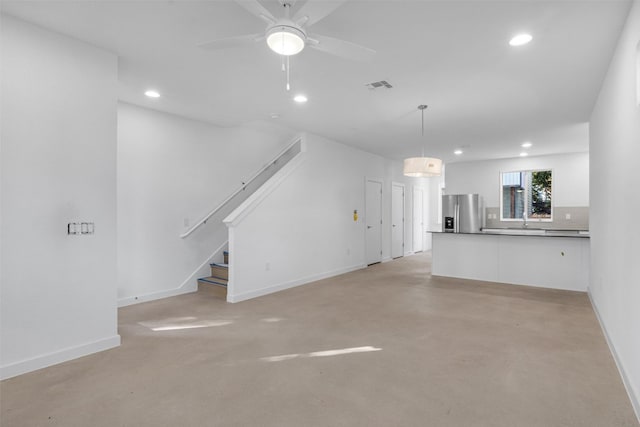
(377,85)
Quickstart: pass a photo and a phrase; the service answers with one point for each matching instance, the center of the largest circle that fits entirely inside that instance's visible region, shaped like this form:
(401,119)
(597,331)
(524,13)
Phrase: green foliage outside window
(541,194)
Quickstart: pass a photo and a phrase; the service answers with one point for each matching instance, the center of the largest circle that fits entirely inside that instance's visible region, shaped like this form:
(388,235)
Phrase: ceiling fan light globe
(422,167)
(285,40)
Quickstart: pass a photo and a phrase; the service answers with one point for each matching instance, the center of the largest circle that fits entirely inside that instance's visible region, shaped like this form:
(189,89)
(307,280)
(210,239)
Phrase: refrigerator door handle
(457,226)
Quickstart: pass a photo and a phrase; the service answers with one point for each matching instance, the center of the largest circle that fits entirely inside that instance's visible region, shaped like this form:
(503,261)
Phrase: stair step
(213,281)
(219,264)
(214,285)
(220,271)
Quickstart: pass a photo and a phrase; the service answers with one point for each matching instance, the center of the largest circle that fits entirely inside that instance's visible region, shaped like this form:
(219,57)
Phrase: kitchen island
(549,259)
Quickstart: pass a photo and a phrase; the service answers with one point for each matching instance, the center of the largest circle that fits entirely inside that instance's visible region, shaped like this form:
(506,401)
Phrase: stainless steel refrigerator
(461,213)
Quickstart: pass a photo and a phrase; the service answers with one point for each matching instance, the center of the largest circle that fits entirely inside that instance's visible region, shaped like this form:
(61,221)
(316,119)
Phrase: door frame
(366,213)
(413,219)
(404,214)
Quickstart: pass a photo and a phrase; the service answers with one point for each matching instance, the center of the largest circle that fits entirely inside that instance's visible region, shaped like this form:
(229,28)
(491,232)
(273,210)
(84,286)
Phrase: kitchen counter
(561,262)
(528,232)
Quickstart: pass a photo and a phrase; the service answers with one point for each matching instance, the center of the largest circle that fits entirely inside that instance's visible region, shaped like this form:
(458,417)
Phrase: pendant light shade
(422,166)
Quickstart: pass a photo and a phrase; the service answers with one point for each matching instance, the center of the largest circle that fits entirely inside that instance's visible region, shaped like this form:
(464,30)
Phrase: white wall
(615,183)
(172,170)
(570,177)
(58,144)
(304,229)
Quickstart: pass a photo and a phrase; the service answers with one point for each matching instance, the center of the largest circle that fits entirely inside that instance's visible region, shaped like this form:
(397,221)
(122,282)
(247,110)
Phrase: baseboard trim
(64,355)
(187,289)
(188,286)
(634,396)
(292,284)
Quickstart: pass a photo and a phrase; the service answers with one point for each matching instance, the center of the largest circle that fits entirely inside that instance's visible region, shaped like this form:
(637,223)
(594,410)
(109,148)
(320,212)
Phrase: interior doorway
(418,219)
(373,221)
(397,220)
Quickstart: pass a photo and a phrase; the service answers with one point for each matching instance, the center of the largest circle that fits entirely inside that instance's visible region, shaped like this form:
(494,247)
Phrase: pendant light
(422,166)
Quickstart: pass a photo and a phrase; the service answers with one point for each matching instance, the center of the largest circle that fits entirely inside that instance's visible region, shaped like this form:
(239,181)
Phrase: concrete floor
(428,352)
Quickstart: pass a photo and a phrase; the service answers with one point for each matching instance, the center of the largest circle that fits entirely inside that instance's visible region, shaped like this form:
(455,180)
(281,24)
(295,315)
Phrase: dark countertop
(528,232)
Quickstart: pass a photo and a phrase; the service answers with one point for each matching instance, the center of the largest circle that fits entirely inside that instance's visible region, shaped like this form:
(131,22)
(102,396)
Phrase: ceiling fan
(288,35)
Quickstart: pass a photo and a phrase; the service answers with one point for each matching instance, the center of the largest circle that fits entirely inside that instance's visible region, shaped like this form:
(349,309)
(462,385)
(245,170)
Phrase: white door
(418,219)
(397,220)
(373,220)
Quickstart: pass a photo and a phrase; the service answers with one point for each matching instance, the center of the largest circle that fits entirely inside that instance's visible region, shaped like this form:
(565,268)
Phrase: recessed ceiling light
(275,116)
(523,154)
(152,93)
(457,152)
(526,144)
(520,39)
(300,99)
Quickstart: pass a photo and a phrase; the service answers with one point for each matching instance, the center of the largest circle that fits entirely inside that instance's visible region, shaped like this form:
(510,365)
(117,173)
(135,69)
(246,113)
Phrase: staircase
(217,282)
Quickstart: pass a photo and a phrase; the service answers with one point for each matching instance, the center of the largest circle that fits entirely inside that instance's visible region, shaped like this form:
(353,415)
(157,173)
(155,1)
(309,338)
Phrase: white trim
(243,186)
(124,302)
(292,284)
(404,216)
(366,213)
(246,207)
(49,359)
(232,269)
(413,219)
(387,259)
(189,284)
(633,394)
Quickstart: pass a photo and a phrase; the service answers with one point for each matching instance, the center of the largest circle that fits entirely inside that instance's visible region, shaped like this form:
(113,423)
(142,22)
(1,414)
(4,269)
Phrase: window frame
(526,192)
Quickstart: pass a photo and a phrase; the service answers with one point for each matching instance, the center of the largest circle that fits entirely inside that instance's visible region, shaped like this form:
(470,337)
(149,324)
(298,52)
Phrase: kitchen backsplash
(579,219)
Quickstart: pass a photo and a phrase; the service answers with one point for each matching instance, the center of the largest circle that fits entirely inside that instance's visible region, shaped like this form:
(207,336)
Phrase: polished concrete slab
(384,346)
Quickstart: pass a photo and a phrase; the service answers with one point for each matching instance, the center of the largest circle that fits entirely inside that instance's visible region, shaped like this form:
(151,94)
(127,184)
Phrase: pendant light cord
(288,74)
(422,111)
(422,107)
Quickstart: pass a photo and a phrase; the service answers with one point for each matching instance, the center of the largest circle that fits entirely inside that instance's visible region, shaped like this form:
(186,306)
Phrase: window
(525,195)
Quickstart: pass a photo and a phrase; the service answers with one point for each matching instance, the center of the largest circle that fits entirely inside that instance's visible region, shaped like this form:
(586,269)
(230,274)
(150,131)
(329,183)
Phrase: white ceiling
(484,96)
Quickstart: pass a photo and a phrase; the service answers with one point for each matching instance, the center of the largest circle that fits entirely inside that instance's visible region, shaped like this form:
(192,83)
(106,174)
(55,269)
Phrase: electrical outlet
(567,216)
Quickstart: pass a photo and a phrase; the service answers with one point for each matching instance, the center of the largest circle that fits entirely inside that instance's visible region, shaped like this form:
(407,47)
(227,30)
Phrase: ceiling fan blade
(340,48)
(237,41)
(255,8)
(314,10)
